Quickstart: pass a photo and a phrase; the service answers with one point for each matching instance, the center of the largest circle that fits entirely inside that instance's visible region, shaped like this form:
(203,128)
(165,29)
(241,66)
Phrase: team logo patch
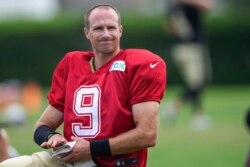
(118,66)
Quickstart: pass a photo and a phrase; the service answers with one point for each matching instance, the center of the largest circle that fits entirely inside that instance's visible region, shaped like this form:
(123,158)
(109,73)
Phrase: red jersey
(98,105)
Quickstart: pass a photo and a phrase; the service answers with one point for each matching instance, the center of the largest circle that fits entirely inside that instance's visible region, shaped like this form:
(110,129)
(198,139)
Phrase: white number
(87,104)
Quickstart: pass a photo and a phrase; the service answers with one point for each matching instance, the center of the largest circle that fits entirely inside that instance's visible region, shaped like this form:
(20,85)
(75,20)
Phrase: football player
(107,100)
(191,57)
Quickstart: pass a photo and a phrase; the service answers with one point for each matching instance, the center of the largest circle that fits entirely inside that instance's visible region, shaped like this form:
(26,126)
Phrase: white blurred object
(15,114)
(12,152)
(201,123)
(28,9)
(171,113)
(66,148)
(89,163)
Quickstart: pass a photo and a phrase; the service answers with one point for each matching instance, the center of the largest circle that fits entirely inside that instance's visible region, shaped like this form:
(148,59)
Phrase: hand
(55,140)
(80,152)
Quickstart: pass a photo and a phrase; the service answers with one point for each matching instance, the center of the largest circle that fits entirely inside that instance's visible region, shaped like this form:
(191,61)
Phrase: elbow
(149,139)
(152,140)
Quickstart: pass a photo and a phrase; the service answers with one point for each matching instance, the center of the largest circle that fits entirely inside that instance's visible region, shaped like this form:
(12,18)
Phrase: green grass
(225,144)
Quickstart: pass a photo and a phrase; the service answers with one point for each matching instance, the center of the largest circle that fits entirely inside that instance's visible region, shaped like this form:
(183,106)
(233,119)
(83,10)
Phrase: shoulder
(138,52)
(75,57)
(141,56)
(72,59)
(144,65)
(77,54)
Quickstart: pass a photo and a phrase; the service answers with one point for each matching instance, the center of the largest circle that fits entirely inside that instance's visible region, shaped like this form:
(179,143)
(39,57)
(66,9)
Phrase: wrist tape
(41,134)
(100,148)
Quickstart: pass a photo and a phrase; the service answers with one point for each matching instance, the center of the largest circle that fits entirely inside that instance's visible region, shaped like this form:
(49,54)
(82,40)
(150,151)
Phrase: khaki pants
(39,159)
(193,64)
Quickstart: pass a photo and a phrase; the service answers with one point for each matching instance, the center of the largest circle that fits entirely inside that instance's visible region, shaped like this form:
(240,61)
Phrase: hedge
(30,50)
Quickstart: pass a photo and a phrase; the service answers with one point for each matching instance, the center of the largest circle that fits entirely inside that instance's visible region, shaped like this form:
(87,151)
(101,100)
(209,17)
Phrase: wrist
(43,133)
(100,148)
(51,134)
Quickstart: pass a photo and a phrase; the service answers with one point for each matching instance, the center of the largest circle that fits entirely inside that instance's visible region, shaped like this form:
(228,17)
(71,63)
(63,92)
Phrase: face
(104,31)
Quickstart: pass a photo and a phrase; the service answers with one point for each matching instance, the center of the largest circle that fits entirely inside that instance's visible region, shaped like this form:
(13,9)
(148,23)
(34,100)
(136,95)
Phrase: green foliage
(30,50)
(63,22)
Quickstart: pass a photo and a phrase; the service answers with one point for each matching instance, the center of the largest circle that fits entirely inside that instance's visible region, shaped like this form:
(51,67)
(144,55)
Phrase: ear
(86,32)
(120,29)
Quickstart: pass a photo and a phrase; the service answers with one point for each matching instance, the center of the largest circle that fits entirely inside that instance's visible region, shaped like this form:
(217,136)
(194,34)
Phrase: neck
(93,64)
(101,59)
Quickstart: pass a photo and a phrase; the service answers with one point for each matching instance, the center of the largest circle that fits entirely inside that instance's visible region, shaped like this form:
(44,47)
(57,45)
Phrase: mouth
(106,42)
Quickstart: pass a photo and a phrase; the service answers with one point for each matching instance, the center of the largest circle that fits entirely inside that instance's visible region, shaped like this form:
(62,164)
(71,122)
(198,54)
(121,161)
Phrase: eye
(98,28)
(112,28)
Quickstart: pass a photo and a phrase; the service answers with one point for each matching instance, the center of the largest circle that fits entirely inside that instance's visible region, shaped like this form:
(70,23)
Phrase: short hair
(105,6)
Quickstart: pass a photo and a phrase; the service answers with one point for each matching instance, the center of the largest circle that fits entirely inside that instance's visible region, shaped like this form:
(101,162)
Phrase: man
(108,101)
(190,55)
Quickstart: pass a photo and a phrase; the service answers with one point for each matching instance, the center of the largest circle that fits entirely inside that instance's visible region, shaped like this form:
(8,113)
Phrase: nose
(106,33)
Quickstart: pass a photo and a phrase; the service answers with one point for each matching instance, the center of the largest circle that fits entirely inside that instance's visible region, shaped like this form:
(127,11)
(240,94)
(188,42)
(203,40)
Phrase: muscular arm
(51,117)
(144,135)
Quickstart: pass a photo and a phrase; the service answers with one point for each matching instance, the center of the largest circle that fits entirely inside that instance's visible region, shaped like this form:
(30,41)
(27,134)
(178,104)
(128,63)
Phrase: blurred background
(35,35)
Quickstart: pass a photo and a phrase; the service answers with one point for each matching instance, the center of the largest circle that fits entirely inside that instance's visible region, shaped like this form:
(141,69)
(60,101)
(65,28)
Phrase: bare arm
(53,118)
(144,135)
